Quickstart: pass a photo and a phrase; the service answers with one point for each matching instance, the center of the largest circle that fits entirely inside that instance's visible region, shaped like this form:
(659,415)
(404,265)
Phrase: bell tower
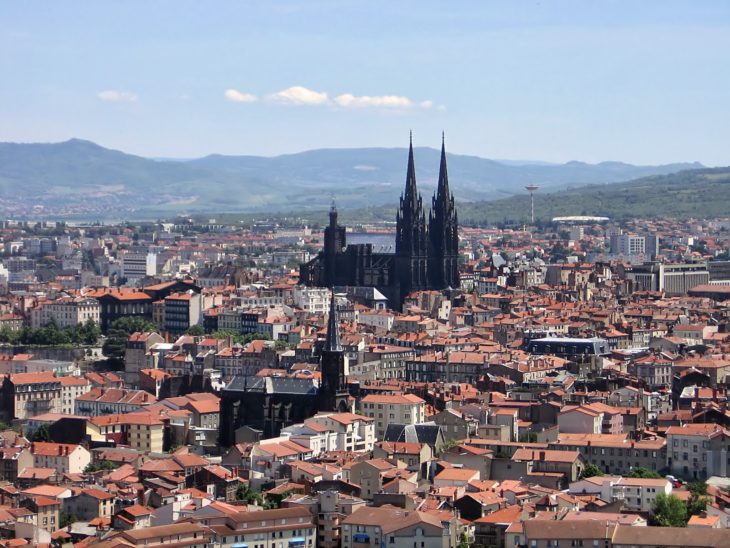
(333,392)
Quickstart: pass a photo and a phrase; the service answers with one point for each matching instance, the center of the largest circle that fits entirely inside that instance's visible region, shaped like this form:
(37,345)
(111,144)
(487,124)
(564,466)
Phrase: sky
(644,82)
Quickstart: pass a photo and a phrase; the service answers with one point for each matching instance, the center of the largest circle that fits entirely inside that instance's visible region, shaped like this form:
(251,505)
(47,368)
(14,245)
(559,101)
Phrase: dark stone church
(426,253)
(268,404)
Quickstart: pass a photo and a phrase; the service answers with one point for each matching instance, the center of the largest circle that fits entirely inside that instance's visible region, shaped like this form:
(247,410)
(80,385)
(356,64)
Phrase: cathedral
(268,404)
(426,252)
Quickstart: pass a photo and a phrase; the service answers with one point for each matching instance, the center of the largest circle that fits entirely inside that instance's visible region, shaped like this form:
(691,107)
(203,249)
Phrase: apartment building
(135,355)
(313,300)
(698,451)
(396,527)
(137,264)
(605,534)
(107,401)
(352,432)
(25,395)
(182,310)
(145,433)
(71,389)
(284,527)
(90,504)
(615,454)
(65,312)
(387,409)
(180,535)
(64,458)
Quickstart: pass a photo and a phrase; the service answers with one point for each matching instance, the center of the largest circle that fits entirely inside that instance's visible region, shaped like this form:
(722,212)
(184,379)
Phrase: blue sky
(637,81)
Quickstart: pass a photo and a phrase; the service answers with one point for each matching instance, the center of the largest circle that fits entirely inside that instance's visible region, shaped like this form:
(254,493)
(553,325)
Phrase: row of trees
(52,335)
(592,470)
(236,337)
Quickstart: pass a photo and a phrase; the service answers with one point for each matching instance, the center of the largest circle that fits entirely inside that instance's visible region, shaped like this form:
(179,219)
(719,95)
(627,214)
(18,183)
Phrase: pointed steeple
(442,193)
(332,343)
(410,195)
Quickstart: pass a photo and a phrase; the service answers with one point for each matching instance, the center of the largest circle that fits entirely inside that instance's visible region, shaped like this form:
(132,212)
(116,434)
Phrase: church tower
(333,393)
(335,240)
(443,232)
(411,240)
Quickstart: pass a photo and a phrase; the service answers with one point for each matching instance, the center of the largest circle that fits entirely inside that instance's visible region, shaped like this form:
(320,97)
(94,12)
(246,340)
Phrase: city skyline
(639,83)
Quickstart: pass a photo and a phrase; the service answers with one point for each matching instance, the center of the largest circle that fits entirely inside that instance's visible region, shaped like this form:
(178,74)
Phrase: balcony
(38,407)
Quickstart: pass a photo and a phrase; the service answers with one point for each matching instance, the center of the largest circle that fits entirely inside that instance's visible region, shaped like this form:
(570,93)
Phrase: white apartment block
(313,300)
(65,312)
(352,432)
(138,264)
(387,409)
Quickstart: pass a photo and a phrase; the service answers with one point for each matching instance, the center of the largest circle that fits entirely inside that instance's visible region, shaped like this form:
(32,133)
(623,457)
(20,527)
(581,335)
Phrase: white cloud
(298,95)
(348,100)
(239,96)
(117,96)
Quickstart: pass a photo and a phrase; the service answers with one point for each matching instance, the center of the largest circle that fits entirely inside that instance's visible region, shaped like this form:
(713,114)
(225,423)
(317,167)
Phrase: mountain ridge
(62,177)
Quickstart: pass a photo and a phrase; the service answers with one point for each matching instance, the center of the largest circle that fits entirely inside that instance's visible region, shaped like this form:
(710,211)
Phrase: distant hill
(694,193)
(80,176)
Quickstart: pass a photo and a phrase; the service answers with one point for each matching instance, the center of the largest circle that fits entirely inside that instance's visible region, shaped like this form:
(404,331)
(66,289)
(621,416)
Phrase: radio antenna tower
(532,189)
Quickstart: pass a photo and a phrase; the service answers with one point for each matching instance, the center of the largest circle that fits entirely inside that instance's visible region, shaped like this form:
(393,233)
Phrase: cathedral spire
(442,194)
(332,342)
(411,193)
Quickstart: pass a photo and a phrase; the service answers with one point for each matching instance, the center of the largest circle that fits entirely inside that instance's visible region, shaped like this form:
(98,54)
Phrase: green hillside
(695,193)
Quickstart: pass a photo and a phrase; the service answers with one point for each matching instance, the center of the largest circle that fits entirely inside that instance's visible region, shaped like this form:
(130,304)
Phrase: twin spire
(443,193)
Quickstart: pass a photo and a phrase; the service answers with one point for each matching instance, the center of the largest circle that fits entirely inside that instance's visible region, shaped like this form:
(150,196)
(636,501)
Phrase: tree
(591,470)
(274,500)
(9,336)
(42,433)
(463,541)
(249,337)
(195,331)
(698,499)
(669,511)
(644,473)
(238,338)
(65,519)
(119,331)
(528,437)
(91,331)
(280,345)
(97,466)
(450,443)
(133,324)
(248,495)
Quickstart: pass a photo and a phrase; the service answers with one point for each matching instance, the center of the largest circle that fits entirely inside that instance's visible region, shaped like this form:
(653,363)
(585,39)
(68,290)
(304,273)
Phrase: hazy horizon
(505,161)
(640,83)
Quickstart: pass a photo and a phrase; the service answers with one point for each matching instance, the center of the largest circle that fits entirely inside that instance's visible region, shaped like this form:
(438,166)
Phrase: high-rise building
(632,244)
(137,264)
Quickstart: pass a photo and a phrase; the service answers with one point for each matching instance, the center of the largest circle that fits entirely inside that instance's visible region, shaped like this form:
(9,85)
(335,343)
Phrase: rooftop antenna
(532,189)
